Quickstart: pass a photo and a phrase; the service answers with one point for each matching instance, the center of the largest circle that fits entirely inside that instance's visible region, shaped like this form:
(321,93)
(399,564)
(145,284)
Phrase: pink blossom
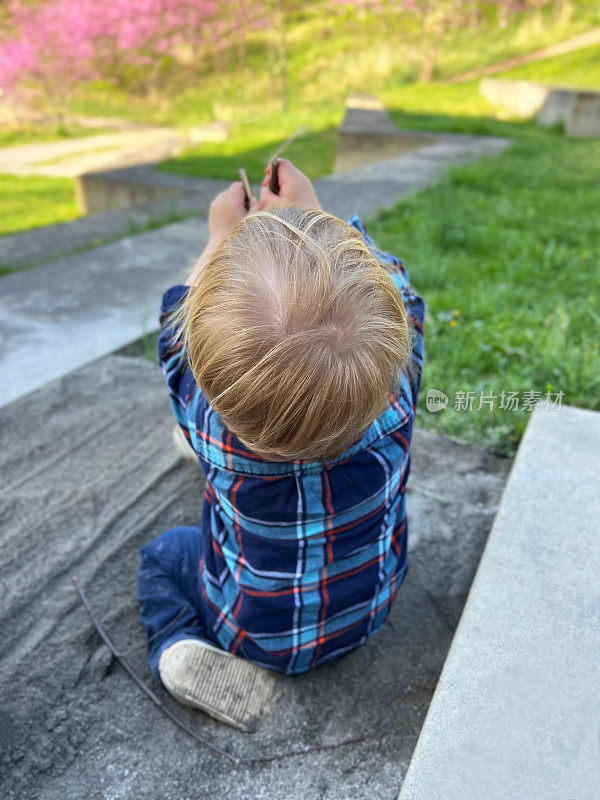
(63,42)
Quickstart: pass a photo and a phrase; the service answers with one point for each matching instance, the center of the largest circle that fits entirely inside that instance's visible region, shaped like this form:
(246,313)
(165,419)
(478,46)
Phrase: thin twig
(180,724)
(146,689)
(310,749)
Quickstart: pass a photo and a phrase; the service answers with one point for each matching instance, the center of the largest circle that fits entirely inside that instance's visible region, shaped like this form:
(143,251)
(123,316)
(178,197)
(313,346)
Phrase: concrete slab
(367,188)
(59,316)
(584,119)
(577,109)
(89,476)
(524,98)
(71,157)
(368,134)
(41,245)
(109,190)
(516,713)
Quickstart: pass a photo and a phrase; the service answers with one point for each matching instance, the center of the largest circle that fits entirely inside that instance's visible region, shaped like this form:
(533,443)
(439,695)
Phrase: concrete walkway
(516,713)
(89,476)
(67,158)
(62,315)
(41,245)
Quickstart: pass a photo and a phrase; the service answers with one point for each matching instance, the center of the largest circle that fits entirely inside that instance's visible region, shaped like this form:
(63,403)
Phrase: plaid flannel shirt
(301,560)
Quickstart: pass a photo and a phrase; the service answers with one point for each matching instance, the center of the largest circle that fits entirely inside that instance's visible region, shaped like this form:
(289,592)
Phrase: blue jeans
(168,590)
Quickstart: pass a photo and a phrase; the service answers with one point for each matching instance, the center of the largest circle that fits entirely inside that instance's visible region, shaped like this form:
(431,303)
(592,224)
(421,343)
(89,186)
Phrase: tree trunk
(282,58)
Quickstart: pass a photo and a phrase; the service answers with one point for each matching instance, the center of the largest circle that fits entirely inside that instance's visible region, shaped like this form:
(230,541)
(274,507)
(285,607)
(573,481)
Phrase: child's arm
(225,212)
(173,361)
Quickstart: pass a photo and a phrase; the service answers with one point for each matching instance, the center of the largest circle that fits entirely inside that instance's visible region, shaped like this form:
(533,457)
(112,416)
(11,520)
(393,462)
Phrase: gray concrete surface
(368,188)
(89,476)
(110,190)
(368,136)
(41,245)
(584,119)
(59,316)
(577,109)
(70,157)
(516,713)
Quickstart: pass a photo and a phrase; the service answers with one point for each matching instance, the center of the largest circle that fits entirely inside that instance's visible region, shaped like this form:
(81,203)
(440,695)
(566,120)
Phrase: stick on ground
(174,718)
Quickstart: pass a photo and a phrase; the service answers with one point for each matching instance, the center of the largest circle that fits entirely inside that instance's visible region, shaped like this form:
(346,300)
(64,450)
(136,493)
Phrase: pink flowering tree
(55,45)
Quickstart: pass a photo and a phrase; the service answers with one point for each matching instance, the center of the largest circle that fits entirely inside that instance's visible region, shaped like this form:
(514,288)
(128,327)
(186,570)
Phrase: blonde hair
(295,333)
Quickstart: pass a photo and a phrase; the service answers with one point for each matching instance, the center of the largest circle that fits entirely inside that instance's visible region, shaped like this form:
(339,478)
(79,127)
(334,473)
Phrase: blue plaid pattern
(301,561)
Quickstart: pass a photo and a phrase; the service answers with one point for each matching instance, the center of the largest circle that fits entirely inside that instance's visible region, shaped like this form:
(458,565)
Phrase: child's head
(295,334)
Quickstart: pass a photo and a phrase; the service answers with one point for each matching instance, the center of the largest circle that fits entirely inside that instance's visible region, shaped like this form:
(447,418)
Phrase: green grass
(506,253)
(252,145)
(16,135)
(33,201)
(580,68)
(324,65)
(456,108)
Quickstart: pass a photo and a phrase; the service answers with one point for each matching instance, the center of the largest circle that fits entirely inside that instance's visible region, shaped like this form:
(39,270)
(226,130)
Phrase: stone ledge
(577,109)
(516,713)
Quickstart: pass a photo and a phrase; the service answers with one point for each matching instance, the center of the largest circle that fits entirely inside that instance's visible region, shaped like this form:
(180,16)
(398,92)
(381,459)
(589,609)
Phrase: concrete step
(41,245)
(58,316)
(70,157)
(516,713)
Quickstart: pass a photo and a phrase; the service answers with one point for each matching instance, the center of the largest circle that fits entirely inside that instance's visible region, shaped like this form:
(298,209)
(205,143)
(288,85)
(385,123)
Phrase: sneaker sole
(227,688)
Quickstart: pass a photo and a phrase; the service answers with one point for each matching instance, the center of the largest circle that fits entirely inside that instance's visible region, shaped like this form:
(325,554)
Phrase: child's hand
(295,189)
(226,211)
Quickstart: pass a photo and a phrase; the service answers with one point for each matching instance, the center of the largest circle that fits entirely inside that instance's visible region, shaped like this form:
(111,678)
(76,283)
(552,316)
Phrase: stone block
(584,119)
(577,109)
(98,192)
(516,713)
(367,134)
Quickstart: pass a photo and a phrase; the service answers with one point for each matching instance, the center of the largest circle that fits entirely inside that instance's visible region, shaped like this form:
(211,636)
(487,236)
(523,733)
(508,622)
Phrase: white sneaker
(224,686)
(183,446)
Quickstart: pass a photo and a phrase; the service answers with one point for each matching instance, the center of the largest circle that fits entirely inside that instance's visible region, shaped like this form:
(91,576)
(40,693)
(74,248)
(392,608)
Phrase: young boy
(293,361)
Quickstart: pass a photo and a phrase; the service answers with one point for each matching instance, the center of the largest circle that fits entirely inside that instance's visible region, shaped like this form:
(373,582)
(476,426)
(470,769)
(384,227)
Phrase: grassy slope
(506,254)
(581,68)
(324,64)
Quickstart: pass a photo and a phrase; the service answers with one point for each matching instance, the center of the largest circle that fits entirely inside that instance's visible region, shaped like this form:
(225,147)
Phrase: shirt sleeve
(173,362)
(414,304)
